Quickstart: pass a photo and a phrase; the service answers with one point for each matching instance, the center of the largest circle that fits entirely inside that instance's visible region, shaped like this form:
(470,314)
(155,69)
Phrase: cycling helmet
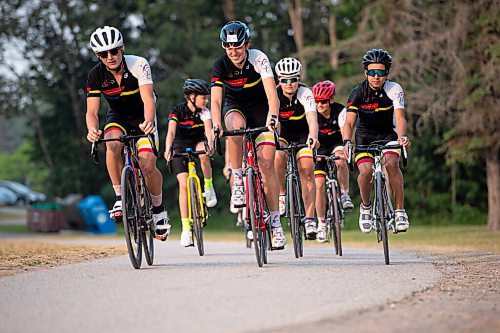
(323,90)
(377,56)
(288,67)
(195,86)
(105,38)
(235,32)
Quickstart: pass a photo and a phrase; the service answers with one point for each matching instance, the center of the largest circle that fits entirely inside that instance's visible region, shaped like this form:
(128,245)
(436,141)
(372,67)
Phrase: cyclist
(190,126)
(127,85)
(331,118)
(245,77)
(299,124)
(379,105)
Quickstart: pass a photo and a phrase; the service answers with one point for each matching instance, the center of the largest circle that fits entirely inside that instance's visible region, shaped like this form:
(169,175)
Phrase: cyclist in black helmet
(190,126)
(379,105)
(245,78)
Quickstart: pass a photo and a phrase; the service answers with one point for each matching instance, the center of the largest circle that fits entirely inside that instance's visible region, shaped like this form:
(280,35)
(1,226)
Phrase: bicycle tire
(260,213)
(381,217)
(147,232)
(197,222)
(252,215)
(337,215)
(131,218)
(300,214)
(292,216)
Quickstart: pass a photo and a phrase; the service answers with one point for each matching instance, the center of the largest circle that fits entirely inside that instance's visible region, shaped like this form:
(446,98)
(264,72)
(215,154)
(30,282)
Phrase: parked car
(7,197)
(25,195)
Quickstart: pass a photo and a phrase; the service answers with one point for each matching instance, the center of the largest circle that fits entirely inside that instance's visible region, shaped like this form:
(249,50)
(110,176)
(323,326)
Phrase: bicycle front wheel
(293,216)
(253,215)
(197,216)
(337,216)
(147,232)
(131,224)
(381,217)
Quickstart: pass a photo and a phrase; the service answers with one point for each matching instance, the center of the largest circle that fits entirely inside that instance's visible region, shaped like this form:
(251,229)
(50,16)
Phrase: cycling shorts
(130,125)
(180,164)
(320,167)
(363,138)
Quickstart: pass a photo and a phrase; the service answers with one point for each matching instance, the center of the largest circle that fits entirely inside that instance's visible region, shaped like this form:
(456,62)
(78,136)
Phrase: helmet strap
(192,102)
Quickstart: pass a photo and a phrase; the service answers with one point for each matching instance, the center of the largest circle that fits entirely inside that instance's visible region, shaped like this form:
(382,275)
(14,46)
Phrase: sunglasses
(379,72)
(289,80)
(104,54)
(232,45)
(323,101)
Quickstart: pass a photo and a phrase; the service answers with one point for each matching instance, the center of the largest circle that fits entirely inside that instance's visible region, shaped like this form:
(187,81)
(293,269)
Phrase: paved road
(224,291)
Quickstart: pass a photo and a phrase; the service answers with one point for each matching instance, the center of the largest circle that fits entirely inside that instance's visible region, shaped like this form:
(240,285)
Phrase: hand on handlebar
(148,127)
(404,141)
(169,152)
(313,143)
(273,123)
(94,134)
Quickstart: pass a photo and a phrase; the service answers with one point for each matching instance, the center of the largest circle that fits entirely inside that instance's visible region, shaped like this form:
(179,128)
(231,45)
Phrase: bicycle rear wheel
(131,218)
(147,230)
(381,217)
(196,214)
(254,218)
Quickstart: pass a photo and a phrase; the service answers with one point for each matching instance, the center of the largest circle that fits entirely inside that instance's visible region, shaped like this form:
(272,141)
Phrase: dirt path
(466,299)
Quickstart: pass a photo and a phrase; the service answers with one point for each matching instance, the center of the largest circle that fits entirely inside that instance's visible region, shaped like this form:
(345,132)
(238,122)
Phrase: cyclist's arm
(92,118)
(147,96)
(348,127)
(169,140)
(312,121)
(400,122)
(272,96)
(215,105)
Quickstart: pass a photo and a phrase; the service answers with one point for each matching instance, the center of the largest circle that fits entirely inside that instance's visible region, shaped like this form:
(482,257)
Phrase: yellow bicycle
(197,209)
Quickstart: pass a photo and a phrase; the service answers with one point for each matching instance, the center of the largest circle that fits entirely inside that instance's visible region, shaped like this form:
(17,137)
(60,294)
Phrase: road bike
(294,211)
(197,209)
(334,211)
(240,218)
(137,206)
(383,215)
(256,209)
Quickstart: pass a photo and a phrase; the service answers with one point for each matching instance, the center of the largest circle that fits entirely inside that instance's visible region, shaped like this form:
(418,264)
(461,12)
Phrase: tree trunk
(295,14)
(332,34)
(493,181)
(228,9)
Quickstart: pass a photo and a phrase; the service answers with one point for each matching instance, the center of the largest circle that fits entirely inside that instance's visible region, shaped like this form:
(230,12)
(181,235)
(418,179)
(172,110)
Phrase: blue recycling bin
(95,215)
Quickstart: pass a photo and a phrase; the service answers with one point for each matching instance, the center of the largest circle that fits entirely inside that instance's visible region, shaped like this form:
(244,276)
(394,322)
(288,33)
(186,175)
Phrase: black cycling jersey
(328,128)
(243,88)
(375,108)
(190,125)
(292,114)
(124,98)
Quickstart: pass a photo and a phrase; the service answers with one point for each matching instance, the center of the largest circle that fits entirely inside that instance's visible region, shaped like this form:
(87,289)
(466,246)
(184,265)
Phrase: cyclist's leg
(343,177)
(114,127)
(206,168)
(179,168)
(305,165)
(364,161)
(234,119)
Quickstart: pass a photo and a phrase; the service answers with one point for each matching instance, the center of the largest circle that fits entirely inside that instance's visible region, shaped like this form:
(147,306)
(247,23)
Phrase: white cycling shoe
(162,225)
(322,233)
(186,238)
(116,212)
(278,239)
(365,219)
(210,197)
(282,204)
(238,196)
(402,223)
(310,226)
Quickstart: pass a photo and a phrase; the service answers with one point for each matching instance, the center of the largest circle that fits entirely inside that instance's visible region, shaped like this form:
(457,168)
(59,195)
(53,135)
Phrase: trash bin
(96,216)
(45,217)
(73,217)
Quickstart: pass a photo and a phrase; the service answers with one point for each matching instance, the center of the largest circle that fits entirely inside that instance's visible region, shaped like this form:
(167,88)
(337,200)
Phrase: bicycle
(334,210)
(197,210)
(240,217)
(383,215)
(295,211)
(137,206)
(256,210)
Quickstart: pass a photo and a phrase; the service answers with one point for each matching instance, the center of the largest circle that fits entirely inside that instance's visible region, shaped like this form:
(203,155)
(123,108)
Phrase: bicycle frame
(192,175)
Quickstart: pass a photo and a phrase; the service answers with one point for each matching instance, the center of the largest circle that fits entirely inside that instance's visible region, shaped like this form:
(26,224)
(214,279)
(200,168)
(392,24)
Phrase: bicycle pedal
(240,206)
(277,248)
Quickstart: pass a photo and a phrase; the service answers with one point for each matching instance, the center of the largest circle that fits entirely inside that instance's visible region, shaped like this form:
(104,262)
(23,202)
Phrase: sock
(321,220)
(156,199)
(208,184)
(344,191)
(118,198)
(275,219)
(366,206)
(238,176)
(186,225)
(118,190)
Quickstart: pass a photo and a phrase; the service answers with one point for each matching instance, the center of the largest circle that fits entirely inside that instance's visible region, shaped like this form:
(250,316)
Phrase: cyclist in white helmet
(299,124)
(125,82)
